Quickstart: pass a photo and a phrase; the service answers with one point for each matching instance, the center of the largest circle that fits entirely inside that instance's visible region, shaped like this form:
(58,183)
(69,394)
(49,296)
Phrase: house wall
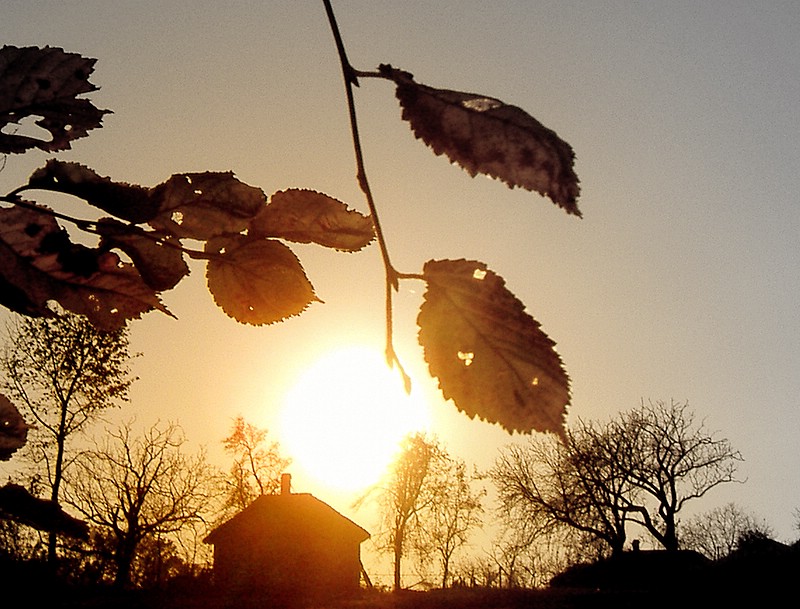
(288,565)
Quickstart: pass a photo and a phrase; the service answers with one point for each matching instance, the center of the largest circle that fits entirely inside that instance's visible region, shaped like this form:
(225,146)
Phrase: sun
(343,420)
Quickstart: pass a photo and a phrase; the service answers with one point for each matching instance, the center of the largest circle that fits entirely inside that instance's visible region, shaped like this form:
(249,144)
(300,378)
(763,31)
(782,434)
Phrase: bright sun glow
(343,420)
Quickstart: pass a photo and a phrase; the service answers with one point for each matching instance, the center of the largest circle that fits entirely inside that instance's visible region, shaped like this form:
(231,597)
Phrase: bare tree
(453,514)
(672,461)
(257,465)
(140,487)
(716,533)
(549,484)
(642,467)
(406,498)
(63,372)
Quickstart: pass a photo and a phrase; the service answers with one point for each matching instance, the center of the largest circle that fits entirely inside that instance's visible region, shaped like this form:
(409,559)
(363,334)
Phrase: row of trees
(147,498)
(565,501)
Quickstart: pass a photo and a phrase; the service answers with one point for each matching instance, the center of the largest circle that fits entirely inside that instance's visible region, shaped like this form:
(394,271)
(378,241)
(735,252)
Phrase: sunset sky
(680,282)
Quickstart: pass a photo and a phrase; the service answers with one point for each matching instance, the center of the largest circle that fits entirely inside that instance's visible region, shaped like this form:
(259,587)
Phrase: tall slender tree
(63,372)
(407,497)
(257,465)
(455,511)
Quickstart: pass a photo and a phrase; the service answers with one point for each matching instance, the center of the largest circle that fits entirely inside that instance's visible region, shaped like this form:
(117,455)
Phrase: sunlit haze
(682,280)
(343,420)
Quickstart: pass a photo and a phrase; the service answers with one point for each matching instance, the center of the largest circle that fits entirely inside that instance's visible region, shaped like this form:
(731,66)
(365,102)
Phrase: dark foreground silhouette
(761,573)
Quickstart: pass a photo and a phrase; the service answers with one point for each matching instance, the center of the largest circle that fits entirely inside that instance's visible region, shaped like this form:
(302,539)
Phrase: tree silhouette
(406,498)
(551,484)
(139,487)
(672,461)
(642,467)
(454,512)
(489,355)
(257,465)
(64,372)
(716,533)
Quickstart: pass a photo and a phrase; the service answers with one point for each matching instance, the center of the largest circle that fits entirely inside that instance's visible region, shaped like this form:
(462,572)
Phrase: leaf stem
(350,76)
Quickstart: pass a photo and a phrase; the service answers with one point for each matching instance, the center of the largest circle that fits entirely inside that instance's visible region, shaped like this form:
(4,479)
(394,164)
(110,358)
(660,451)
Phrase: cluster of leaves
(489,355)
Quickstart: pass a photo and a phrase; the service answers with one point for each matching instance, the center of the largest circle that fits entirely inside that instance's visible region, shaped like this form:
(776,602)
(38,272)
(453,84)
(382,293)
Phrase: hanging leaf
(38,259)
(160,265)
(204,205)
(490,356)
(43,84)
(485,135)
(126,201)
(13,429)
(306,216)
(257,281)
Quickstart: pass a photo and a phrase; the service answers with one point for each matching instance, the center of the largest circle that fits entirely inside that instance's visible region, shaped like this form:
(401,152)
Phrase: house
(288,544)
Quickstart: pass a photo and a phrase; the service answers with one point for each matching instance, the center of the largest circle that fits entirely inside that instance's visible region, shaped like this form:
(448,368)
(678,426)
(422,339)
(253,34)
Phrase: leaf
(490,356)
(205,205)
(306,216)
(38,259)
(485,135)
(257,281)
(17,504)
(160,265)
(13,429)
(127,201)
(44,84)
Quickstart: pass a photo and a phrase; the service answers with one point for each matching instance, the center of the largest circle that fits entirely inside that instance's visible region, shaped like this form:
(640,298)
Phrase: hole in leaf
(177,217)
(198,191)
(466,356)
(479,274)
(188,179)
(27,127)
(481,104)
(535,381)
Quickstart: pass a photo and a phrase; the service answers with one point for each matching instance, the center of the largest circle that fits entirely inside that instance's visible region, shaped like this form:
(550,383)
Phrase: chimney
(286,484)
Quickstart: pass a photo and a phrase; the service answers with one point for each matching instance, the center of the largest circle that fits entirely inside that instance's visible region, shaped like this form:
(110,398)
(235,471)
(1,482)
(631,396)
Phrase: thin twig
(91,226)
(350,76)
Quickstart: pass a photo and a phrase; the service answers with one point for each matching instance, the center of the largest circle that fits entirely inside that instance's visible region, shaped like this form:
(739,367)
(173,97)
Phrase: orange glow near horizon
(343,420)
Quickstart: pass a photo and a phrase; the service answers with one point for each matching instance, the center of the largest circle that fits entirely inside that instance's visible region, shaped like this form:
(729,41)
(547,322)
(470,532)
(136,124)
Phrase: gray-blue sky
(680,282)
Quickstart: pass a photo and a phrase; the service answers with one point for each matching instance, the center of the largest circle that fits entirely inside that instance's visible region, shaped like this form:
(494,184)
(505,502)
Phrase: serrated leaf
(257,281)
(44,83)
(160,265)
(307,216)
(205,205)
(38,259)
(126,201)
(13,429)
(491,357)
(485,135)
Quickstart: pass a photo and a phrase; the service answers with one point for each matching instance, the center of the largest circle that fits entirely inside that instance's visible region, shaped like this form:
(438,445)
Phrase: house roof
(281,514)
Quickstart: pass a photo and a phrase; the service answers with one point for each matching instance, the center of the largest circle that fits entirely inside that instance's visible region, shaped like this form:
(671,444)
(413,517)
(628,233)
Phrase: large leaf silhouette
(43,84)
(491,357)
(307,216)
(17,504)
(257,281)
(485,135)
(159,261)
(204,205)
(39,263)
(127,201)
(13,429)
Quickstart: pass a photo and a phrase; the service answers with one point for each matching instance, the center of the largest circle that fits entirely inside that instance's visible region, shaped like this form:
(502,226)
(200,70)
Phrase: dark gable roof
(285,514)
